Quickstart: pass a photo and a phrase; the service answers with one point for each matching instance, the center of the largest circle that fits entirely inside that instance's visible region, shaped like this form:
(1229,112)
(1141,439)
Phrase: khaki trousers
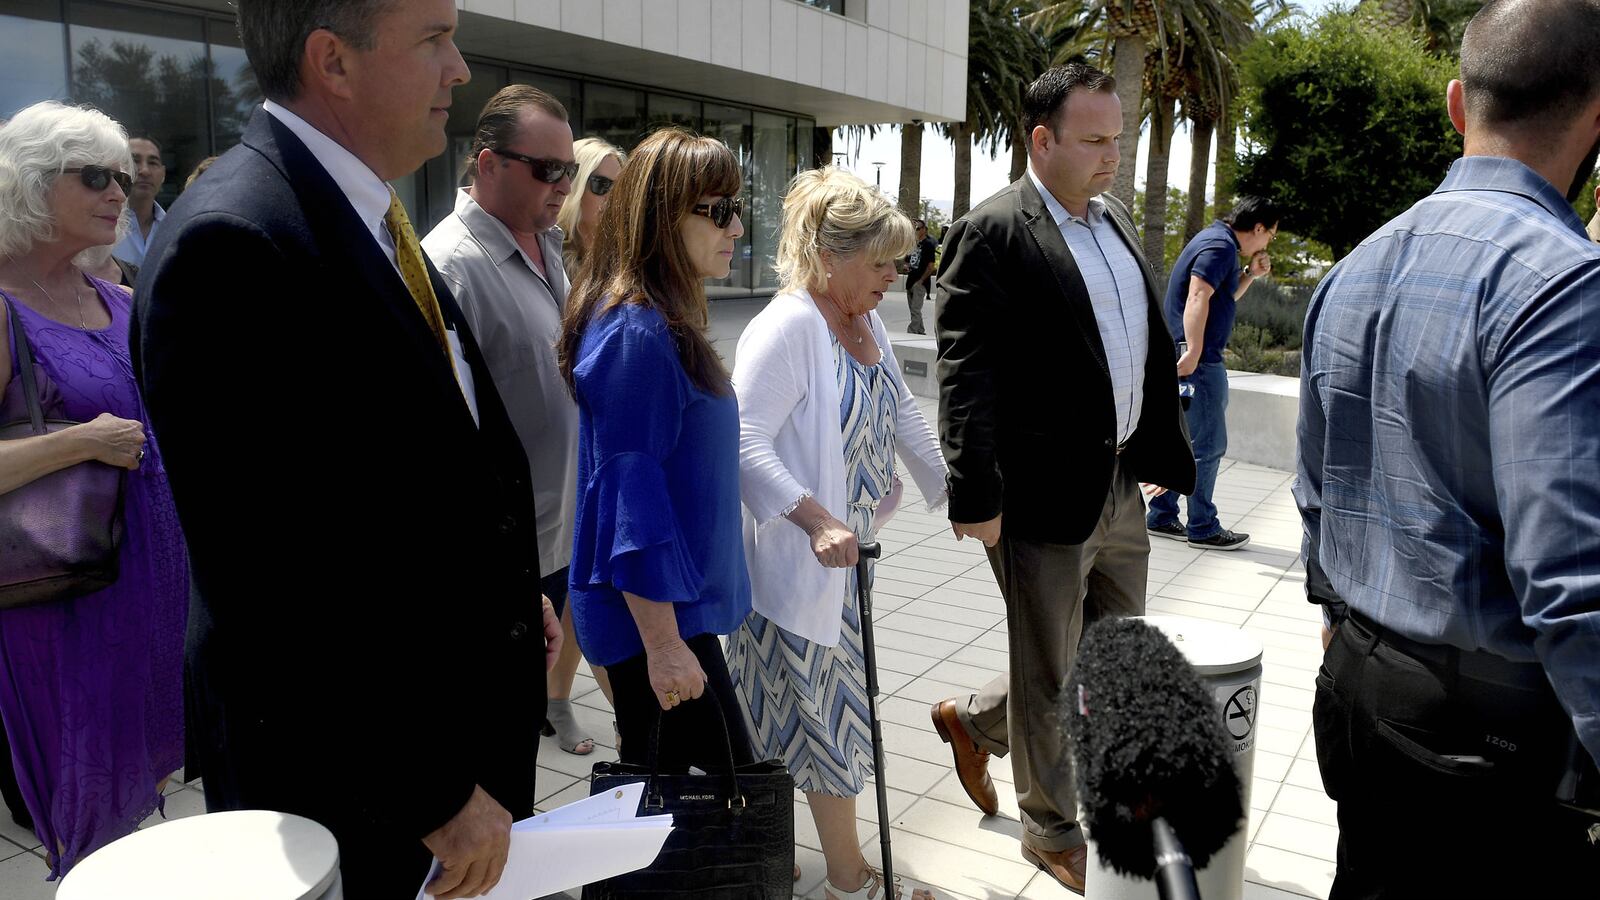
(1053,592)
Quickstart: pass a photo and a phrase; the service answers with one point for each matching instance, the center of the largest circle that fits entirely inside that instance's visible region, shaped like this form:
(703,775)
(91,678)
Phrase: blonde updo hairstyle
(833,211)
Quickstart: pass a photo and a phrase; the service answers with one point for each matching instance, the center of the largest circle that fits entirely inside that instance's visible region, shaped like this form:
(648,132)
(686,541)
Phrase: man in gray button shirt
(501,254)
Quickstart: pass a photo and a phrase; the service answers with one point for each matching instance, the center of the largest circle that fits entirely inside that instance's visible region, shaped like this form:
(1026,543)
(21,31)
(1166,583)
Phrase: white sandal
(868,891)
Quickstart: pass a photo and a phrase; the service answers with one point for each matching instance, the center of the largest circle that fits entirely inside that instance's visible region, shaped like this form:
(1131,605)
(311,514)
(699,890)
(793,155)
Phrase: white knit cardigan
(790,448)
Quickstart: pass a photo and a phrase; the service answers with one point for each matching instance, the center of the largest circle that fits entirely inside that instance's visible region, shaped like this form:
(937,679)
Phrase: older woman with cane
(822,413)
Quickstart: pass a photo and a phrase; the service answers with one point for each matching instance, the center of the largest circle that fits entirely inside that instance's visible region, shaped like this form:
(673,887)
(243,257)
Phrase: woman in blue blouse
(658,568)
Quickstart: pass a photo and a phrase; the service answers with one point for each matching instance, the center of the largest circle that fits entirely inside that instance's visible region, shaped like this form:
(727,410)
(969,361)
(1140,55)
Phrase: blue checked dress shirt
(1117,291)
(1449,437)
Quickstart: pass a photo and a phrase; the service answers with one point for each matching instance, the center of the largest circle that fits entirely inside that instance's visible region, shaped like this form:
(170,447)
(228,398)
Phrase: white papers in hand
(578,844)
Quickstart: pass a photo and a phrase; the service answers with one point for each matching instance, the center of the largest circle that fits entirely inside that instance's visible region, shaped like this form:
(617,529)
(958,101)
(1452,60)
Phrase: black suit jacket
(365,641)
(1026,414)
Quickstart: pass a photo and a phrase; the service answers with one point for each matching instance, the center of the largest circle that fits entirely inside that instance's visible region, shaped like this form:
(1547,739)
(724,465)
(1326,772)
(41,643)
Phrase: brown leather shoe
(972,761)
(1066,866)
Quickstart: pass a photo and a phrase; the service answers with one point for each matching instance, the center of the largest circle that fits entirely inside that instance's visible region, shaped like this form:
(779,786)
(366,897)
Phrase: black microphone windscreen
(1147,741)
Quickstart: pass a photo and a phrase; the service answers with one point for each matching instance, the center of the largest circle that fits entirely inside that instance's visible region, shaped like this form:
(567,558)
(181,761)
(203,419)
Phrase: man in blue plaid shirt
(1449,481)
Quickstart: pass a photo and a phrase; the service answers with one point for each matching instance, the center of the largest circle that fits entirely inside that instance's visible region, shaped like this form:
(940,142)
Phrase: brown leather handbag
(60,534)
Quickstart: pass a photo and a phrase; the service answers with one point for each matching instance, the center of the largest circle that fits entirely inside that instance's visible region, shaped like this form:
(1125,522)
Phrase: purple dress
(91,689)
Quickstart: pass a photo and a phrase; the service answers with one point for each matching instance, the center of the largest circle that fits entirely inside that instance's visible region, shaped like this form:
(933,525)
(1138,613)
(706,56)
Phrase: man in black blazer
(1058,396)
(367,642)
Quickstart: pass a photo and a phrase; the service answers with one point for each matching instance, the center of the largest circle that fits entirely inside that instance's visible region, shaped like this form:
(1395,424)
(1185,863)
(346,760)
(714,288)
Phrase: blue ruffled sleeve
(634,391)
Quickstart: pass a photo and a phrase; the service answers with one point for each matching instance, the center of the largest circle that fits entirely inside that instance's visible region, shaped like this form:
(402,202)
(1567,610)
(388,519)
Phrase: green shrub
(1278,315)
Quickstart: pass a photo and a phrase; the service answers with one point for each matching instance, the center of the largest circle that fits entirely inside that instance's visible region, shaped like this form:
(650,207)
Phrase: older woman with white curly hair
(822,413)
(91,688)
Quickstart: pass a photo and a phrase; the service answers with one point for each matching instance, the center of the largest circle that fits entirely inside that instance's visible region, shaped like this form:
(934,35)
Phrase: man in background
(501,254)
(919,275)
(149,174)
(1206,282)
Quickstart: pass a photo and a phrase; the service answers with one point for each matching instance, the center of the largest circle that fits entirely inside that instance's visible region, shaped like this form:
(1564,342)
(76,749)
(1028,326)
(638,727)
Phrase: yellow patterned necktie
(414,272)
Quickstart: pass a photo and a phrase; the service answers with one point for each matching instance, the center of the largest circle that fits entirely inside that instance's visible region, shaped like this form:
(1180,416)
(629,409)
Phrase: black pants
(691,733)
(1416,746)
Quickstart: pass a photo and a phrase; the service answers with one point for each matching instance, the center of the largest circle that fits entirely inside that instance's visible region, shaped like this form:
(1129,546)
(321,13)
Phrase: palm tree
(911,168)
(1198,62)
(1136,29)
(1441,22)
(1203,107)
(1131,27)
(1003,56)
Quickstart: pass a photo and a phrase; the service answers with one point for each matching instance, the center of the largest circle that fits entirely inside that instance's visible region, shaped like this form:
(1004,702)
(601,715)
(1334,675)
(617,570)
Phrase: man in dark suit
(1057,397)
(365,644)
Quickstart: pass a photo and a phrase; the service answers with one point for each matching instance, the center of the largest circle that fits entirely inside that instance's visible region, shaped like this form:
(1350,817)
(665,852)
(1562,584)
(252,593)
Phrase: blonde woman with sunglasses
(599,164)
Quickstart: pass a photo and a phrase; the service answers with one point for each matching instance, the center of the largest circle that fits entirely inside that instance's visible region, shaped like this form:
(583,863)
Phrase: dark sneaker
(1174,530)
(1222,540)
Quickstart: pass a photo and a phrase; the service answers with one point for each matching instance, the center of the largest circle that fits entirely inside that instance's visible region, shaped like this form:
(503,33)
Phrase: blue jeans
(1208,435)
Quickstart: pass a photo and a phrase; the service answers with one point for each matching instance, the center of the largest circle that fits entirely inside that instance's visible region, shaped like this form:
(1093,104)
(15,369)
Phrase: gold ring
(672,696)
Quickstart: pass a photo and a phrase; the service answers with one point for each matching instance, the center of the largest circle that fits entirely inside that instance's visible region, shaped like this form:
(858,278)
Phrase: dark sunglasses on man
(548,171)
(721,212)
(96,178)
(599,185)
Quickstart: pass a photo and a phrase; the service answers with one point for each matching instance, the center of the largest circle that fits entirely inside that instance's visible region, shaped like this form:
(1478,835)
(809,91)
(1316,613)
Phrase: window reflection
(183,79)
(665,110)
(731,125)
(772,164)
(614,113)
(148,70)
(234,93)
(34,66)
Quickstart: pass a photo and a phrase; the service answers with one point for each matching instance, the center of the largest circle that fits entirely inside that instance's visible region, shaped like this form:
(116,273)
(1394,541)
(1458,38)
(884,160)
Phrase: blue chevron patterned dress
(805,702)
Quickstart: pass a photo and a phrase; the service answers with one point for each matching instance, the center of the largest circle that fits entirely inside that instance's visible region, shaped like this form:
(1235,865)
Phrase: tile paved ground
(941,632)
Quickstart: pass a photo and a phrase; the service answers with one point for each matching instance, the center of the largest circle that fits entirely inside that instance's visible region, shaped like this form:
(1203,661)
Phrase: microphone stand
(1174,875)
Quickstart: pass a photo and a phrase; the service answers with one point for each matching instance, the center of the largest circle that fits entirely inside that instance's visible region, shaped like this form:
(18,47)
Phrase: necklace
(849,321)
(82,322)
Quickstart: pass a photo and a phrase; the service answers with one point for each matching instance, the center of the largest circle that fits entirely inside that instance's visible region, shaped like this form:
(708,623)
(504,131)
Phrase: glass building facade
(179,76)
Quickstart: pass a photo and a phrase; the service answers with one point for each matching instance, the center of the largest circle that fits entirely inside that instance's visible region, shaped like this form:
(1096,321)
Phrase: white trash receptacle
(1228,661)
(247,853)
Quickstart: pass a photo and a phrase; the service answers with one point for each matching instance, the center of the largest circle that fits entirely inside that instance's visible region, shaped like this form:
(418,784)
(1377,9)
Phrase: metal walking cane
(864,608)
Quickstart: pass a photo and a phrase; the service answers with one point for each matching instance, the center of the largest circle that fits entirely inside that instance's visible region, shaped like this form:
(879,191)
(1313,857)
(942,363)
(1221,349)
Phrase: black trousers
(692,732)
(1445,773)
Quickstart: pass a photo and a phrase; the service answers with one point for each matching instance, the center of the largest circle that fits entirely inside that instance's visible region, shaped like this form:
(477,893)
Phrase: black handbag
(732,831)
(60,535)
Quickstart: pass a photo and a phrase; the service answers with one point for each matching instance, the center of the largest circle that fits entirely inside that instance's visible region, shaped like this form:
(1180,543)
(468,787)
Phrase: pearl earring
(830,274)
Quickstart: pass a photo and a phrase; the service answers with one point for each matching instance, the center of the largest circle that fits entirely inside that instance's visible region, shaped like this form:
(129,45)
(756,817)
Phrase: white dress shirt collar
(367,193)
(1059,214)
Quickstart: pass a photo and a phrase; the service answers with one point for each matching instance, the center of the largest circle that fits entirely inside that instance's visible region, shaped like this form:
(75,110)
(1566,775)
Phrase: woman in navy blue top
(658,570)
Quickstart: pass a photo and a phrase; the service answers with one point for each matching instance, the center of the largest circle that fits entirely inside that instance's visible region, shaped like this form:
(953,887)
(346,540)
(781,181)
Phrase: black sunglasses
(721,212)
(599,185)
(96,178)
(548,171)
